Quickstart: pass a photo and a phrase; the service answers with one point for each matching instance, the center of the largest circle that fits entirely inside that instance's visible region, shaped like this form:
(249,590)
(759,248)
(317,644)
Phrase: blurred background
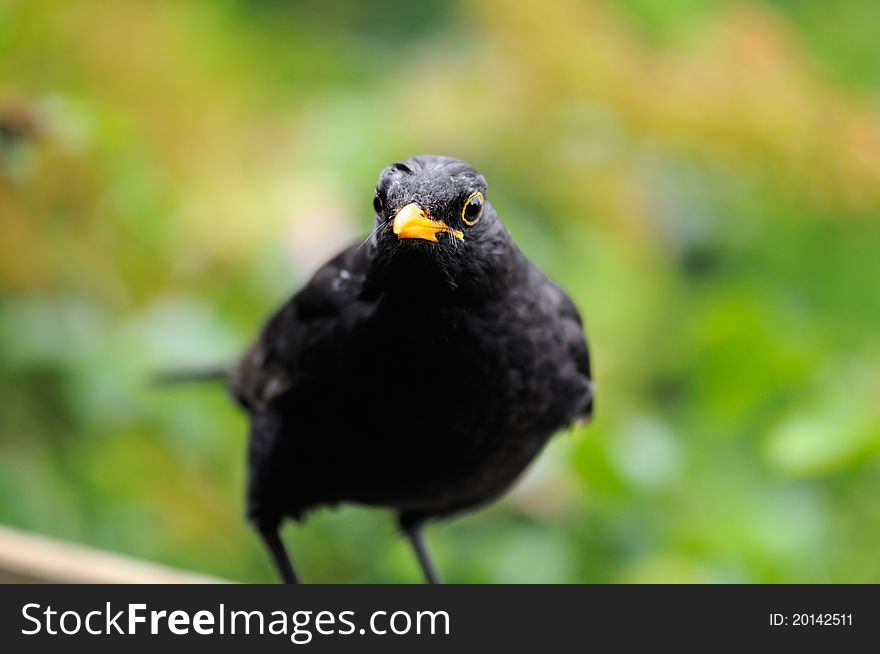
(703,177)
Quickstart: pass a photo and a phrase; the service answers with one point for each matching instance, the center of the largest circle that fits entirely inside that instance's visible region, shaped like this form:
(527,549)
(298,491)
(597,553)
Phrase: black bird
(421,370)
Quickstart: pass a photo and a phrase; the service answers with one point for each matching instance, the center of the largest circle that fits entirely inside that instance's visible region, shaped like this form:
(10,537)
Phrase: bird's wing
(574,339)
(300,332)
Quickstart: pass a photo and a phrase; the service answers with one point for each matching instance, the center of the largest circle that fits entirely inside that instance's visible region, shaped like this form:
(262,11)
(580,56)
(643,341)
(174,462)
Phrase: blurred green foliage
(704,177)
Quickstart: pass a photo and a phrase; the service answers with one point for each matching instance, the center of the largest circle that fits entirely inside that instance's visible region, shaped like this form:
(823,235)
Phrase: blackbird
(421,370)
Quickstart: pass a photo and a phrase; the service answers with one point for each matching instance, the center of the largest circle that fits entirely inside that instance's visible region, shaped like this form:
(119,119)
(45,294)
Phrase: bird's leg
(272,540)
(413,531)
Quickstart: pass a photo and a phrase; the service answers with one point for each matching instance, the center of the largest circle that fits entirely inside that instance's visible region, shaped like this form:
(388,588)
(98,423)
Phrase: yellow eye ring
(475,204)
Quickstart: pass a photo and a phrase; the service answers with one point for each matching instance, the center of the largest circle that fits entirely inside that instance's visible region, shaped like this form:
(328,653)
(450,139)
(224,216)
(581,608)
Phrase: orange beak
(413,222)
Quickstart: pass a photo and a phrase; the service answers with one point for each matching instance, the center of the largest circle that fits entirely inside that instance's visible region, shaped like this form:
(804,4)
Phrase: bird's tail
(190,376)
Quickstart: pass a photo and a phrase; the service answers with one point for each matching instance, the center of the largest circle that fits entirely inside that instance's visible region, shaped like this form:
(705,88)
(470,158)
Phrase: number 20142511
(811,620)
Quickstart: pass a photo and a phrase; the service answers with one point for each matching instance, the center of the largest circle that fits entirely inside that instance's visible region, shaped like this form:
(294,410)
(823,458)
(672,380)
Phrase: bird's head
(434,225)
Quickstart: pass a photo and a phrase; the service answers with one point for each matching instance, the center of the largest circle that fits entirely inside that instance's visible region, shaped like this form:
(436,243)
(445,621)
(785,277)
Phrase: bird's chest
(445,373)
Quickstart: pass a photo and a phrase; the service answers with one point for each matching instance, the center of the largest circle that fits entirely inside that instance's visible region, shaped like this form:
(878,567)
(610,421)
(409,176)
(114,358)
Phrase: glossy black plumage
(418,376)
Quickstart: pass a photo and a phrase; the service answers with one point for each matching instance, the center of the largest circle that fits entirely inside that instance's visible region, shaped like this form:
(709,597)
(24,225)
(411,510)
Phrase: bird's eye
(473,209)
(378,205)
